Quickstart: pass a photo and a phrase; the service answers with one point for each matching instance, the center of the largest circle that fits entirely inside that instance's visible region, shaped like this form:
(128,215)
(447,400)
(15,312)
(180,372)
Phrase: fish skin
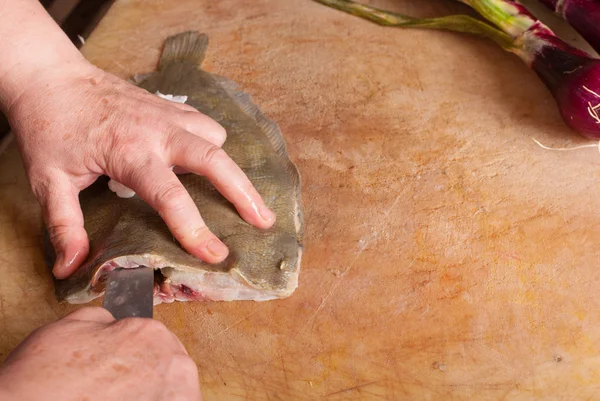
(262,264)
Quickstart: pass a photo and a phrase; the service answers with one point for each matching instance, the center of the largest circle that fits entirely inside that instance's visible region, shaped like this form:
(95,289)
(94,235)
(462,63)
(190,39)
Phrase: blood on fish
(187,290)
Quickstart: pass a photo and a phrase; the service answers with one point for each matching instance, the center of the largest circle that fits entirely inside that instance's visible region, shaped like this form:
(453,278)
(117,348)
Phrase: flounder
(126,232)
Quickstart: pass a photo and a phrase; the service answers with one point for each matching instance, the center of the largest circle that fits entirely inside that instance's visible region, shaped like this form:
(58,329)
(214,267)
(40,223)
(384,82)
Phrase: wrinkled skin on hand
(87,355)
(78,123)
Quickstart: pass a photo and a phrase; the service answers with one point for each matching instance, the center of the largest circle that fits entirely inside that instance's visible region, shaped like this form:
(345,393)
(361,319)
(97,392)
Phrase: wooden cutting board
(448,257)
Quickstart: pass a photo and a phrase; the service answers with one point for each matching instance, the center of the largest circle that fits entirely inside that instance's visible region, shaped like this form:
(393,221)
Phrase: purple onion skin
(573,78)
(582,15)
(551,4)
(577,104)
(522,9)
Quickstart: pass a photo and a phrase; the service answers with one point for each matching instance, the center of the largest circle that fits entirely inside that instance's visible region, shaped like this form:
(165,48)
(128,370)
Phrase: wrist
(24,79)
(33,47)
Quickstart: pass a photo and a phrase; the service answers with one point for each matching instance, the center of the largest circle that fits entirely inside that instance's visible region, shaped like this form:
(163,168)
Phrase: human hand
(76,123)
(87,355)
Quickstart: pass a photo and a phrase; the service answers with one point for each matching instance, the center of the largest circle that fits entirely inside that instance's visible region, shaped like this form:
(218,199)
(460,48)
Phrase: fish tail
(184,47)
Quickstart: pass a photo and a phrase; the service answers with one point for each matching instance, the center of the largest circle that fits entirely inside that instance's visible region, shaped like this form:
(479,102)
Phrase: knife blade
(129,292)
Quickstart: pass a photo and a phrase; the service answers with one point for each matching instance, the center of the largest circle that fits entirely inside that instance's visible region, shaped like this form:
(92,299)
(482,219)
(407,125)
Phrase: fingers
(182,375)
(203,126)
(152,330)
(91,314)
(64,221)
(182,106)
(201,157)
(198,123)
(180,170)
(158,186)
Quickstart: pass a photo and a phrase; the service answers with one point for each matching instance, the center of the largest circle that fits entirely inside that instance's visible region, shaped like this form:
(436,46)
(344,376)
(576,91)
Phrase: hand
(77,122)
(87,355)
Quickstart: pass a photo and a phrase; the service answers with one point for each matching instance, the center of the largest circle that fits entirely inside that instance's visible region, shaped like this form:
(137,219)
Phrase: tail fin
(184,47)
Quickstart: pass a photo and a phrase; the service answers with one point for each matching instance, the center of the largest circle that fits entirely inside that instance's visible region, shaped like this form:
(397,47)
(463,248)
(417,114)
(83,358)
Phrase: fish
(125,232)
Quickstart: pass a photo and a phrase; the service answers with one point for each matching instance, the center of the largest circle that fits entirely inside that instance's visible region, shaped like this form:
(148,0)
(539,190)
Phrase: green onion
(571,75)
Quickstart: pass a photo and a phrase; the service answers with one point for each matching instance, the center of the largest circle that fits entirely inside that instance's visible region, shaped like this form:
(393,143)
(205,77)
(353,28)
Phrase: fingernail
(216,247)
(266,214)
(70,262)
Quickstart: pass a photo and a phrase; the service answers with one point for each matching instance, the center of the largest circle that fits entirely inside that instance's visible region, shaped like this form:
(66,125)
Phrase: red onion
(582,15)
(571,75)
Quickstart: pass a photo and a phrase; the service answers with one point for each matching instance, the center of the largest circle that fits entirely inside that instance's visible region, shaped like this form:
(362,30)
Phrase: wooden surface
(447,257)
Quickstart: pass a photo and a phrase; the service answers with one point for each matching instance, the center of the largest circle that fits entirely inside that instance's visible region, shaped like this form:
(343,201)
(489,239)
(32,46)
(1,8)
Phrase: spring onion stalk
(510,16)
(582,15)
(571,75)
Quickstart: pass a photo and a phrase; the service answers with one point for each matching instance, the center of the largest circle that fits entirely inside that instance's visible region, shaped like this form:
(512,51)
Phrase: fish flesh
(263,264)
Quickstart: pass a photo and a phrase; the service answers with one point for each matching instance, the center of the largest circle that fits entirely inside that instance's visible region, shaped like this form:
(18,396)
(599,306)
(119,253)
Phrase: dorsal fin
(187,46)
(270,127)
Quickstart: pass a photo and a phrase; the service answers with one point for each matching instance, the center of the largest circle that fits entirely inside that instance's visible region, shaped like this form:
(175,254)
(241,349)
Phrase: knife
(129,292)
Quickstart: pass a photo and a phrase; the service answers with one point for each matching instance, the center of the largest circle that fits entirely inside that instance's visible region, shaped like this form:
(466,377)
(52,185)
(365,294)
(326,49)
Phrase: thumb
(90,314)
(64,222)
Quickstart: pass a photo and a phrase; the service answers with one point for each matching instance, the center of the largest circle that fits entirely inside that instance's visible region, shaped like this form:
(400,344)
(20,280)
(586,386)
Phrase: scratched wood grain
(447,256)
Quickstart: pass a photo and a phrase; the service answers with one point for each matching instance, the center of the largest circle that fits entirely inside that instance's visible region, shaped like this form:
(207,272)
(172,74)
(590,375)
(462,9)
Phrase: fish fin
(187,46)
(270,127)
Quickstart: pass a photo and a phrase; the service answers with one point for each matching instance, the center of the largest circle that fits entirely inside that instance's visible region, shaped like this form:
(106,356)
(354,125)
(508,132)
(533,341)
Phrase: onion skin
(578,97)
(551,4)
(582,15)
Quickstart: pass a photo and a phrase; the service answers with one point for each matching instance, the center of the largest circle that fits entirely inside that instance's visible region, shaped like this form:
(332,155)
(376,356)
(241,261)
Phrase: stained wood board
(447,255)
